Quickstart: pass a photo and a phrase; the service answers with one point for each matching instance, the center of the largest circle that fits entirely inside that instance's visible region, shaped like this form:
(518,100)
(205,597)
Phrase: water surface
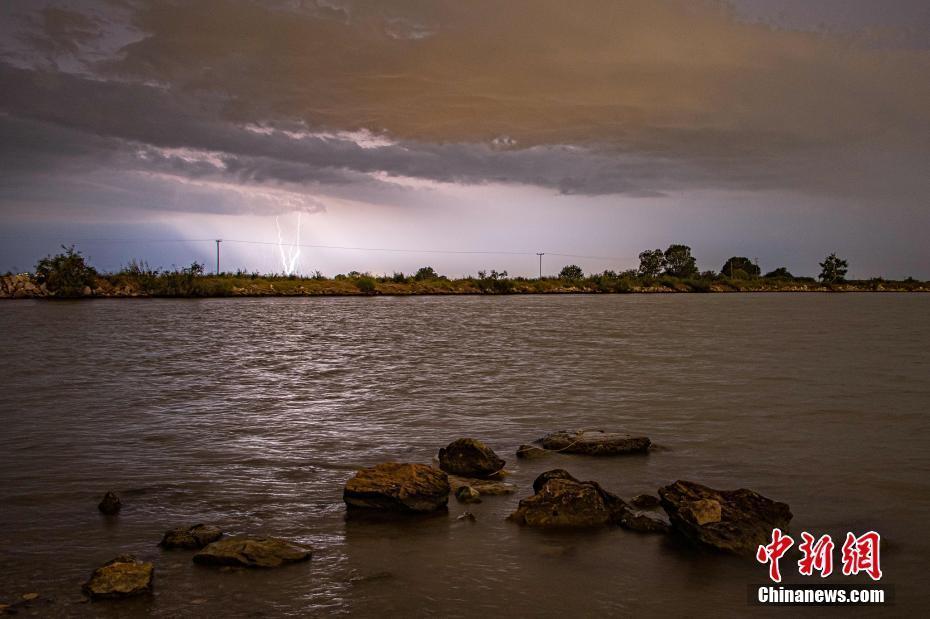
(252,413)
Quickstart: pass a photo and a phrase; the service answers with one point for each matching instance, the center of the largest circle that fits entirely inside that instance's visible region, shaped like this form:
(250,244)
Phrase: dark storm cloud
(591,97)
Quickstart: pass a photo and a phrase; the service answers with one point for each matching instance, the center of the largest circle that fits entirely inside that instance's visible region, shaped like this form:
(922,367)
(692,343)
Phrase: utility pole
(540,254)
(218,241)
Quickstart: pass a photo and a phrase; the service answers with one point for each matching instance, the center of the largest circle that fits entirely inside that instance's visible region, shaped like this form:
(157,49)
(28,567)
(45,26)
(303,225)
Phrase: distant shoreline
(26,286)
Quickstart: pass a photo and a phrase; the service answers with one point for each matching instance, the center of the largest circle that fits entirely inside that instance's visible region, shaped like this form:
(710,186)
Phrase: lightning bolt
(290,252)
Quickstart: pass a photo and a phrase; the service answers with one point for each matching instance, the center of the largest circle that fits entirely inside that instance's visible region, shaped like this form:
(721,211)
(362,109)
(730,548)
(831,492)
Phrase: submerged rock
(123,576)
(528,452)
(191,538)
(110,504)
(398,487)
(595,443)
(563,501)
(468,457)
(244,551)
(645,501)
(467,517)
(736,521)
(467,494)
(484,487)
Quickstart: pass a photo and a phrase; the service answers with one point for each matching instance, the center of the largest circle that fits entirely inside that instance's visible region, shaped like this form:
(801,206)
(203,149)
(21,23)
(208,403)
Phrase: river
(252,414)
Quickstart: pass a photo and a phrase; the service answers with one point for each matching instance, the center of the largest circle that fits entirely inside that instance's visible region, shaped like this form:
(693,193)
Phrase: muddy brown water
(252,413)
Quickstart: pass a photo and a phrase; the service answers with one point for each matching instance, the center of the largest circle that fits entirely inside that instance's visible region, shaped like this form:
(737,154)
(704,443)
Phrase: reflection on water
(252,413)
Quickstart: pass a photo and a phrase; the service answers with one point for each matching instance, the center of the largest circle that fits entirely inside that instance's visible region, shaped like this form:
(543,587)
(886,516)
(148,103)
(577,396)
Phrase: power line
(338,247)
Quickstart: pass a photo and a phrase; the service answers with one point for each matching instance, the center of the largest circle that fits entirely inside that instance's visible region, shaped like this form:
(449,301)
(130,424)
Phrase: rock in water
(736,521)
(563,501)
(643,523)
(192,538)
(546,476)
(595,443)
(527,452)
(484,487)
(469,458)
(110,504)
(243,551)
(645,501)
(124,576)
(398,487)
(467,494)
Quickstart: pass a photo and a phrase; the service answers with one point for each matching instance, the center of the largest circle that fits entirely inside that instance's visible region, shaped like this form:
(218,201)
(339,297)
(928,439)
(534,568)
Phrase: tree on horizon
(833,269)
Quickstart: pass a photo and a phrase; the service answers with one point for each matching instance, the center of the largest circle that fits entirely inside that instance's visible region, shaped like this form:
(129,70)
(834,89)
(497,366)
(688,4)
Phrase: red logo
(859,554)
(773,552)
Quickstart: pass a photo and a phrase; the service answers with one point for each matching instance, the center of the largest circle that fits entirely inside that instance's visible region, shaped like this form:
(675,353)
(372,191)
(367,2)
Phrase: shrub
(424,273)
(66,274)
(571,272)
(366,284)
(779,273)
(740,263)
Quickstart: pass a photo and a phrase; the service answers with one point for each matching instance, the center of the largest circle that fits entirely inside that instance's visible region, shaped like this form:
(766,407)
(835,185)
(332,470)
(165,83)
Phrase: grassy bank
(67,275)
(185,284)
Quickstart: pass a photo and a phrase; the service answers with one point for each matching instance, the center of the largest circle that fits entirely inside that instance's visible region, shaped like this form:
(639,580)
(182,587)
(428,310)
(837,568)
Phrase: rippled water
(252,413)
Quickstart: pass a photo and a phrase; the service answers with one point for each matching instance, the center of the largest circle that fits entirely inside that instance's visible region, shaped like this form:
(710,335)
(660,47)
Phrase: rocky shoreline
(735,522)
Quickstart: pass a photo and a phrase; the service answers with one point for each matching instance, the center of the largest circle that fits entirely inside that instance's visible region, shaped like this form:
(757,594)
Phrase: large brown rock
(124,576)
(736,521)
(398,487)
(191,538)
(595,443)
(561,501)
(468,457)
(243,551)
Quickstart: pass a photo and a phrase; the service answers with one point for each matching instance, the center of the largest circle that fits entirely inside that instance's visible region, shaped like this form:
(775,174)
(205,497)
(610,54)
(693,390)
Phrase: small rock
(527,452)
(645,501)
(736,521)
(110,504)
(398,487)
(244,551)
(124,576)
(365,578)
(467,494)
(643,523)
(595,443)
(469,458)
(191,538)
(467,517)
(485,487)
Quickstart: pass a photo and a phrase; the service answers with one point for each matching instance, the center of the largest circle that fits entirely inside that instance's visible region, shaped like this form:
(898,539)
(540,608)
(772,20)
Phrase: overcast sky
(776,129)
